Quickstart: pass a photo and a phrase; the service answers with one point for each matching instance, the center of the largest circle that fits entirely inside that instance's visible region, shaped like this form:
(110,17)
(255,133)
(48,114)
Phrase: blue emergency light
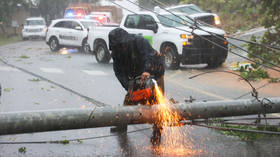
(69,13)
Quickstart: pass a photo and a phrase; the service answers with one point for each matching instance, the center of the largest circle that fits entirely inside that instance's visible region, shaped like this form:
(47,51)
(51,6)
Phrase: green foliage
(9,40)
(64,141)
(24,56)
(248,136)
(22,149)
(254,75)
(80,141)
(252,72)
(234,14)
(270,10)
(7,8)
(7,89)
(274,80)
(53,9)
(35,80)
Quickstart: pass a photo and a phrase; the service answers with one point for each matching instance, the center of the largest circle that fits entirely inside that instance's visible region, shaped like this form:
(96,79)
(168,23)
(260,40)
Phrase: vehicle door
(60,31)
(76,34)
(142,24)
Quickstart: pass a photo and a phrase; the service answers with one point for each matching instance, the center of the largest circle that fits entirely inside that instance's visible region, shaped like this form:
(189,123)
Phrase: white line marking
(95,73)
(4,68)
(52,70)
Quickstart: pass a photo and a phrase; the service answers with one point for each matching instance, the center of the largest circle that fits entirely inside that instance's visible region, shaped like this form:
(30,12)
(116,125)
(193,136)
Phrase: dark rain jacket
(132,55)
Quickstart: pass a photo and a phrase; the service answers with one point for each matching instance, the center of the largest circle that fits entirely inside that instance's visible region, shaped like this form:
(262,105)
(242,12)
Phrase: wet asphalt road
(82,74)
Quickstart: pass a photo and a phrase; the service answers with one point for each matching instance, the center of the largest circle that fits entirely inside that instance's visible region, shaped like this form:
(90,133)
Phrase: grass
(245,136)
(34,80)
(22,149)
(9,40)
(8,89)
(249,136)
(24,57)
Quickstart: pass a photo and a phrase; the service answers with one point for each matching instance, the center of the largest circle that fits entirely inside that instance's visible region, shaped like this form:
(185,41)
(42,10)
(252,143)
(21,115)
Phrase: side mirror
(78,28)
(153,27)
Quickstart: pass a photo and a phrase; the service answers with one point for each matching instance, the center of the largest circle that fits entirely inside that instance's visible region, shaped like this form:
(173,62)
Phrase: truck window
(132,21)
(174,20)
(190,9)
(145,20)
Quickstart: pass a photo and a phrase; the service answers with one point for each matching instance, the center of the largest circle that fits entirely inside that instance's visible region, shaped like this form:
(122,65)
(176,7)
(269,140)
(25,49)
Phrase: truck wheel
(85,47)
(214,64)
(54,45)
(102,54)
(171,57)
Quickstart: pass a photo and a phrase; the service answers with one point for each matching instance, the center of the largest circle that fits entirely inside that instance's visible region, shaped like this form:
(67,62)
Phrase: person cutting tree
(135,63)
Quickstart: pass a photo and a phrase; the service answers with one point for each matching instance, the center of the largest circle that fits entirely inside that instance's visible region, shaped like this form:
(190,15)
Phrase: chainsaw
(141,91)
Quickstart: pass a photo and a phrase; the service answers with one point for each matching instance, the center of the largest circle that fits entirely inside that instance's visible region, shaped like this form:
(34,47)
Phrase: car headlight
(217,20)
(185,36)
(185,43)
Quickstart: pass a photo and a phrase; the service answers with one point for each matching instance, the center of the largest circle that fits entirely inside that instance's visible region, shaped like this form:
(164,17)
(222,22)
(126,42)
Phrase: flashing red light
(79,13)
(100,17)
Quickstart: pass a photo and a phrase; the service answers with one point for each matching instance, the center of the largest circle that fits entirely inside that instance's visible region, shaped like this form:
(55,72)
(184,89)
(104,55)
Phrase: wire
(217,36)
(253,88)
(245,94)
(274,48)
(273,118)
(204,23)
(200,36)
(240,130)
(72,140)
(252,124)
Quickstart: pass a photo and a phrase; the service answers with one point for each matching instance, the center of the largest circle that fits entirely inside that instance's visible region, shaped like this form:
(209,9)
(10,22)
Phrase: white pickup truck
(173,39)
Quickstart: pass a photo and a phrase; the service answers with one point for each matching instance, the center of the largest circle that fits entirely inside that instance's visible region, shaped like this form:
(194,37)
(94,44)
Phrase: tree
(7,8)
(52,9)
(270,10)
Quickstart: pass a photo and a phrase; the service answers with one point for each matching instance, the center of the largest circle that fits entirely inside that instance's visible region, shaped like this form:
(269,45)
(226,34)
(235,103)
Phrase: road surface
(71,78)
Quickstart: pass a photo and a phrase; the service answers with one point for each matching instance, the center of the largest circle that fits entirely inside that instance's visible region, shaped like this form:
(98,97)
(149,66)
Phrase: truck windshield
(190,9)
(174,21)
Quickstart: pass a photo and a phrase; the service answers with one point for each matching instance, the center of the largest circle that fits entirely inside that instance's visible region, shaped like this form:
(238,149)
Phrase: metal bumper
(194,55)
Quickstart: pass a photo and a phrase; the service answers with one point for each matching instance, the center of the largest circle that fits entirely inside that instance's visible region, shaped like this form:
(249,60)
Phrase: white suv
(34,27)
(69,33)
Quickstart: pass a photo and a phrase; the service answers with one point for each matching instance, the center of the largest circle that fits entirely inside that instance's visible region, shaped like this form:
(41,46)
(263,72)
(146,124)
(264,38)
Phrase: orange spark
(175,141)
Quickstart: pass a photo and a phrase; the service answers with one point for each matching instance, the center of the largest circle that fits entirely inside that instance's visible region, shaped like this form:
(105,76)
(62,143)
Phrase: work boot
(156,137)
(119,129)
